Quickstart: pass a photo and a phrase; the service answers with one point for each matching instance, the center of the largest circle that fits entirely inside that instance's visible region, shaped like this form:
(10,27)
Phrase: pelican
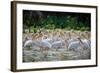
(85,44)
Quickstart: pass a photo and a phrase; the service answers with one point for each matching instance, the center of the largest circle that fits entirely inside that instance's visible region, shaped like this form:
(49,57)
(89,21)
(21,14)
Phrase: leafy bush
(33,20)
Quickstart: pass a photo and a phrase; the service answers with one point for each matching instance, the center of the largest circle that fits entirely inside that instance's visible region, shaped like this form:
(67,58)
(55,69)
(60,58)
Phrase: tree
(32,18)
(27,19)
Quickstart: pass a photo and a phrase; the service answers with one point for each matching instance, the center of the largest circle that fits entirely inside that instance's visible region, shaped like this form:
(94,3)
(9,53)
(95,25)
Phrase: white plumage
(31,43)
(49,40)
(85,44)
(28,43)
(71,40)
(58,44)
(44,44)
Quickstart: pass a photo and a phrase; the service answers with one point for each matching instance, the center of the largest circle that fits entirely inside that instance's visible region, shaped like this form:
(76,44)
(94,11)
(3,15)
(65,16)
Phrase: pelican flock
(63,46)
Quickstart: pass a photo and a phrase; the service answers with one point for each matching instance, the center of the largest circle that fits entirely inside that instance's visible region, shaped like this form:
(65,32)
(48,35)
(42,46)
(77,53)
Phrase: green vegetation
(35,20)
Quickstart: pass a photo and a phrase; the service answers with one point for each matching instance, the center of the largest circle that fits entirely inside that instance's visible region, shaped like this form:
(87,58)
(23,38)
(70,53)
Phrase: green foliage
(34,29)
(33,21)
